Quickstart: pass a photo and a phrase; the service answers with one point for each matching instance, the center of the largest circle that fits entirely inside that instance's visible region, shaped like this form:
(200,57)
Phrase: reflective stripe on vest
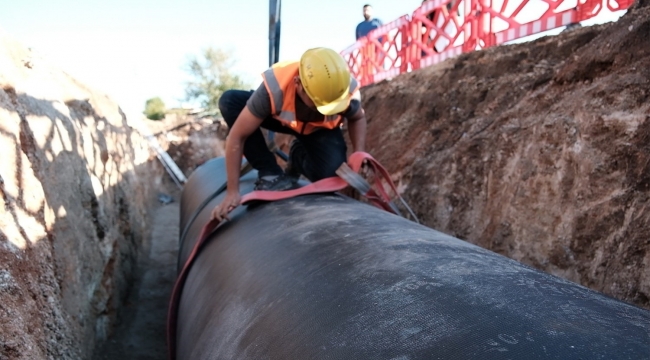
(279,83)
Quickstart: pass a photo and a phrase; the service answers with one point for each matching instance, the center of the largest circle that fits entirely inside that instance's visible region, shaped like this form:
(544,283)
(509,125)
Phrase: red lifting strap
(338,183)
(347,176)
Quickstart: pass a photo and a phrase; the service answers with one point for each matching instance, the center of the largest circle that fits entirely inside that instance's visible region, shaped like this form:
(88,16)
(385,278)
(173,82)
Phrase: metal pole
(274,51)
(274,31)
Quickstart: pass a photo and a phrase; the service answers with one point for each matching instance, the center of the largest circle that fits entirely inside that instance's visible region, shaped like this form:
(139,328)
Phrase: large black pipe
(327,277)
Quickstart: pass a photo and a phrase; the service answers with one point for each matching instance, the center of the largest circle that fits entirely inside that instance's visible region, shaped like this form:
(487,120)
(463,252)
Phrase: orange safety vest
(279,83)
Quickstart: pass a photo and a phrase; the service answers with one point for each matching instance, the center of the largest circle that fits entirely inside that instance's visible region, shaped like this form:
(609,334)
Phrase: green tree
(211,76)
(154,109)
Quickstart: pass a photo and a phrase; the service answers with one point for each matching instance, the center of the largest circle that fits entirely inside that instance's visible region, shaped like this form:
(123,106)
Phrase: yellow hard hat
(325,76)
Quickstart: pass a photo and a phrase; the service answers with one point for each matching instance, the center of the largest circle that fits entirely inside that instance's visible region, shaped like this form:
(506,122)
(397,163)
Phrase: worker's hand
(231,201)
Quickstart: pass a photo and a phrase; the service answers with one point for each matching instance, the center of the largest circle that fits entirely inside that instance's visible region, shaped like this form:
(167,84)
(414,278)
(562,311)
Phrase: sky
(133,50)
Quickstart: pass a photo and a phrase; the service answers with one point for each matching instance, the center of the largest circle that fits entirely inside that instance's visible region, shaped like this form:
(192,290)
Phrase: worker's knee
(231,103)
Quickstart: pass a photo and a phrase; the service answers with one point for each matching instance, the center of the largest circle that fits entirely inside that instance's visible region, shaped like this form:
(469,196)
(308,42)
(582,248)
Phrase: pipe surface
(327,277)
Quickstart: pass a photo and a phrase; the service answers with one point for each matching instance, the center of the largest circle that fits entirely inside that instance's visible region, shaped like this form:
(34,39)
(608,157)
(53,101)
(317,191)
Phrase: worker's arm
(244,126)
(357,129)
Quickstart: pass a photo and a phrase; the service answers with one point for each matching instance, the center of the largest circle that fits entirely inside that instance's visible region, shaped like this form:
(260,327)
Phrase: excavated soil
(77,181)
(190,140)
(538,151)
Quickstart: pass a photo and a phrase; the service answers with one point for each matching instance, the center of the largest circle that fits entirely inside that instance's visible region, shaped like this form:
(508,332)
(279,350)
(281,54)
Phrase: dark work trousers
(316,155)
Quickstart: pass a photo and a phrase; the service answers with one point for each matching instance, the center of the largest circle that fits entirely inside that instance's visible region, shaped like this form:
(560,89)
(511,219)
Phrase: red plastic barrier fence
(614,5)
(509,20)
(387,48)
(355,59)
(440,29)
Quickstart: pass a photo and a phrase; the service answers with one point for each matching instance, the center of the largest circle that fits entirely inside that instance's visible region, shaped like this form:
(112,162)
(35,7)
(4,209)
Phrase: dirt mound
(190,140)
(538,151)
(75,185)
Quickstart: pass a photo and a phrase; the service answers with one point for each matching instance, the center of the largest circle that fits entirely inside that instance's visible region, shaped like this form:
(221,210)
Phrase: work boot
(276,183)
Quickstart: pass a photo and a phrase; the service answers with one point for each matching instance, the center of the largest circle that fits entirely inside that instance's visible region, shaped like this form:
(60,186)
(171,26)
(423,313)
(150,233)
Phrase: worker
(368,24)
(309,99)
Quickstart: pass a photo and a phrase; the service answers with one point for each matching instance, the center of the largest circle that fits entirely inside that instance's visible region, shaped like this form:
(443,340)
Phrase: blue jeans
(316,155)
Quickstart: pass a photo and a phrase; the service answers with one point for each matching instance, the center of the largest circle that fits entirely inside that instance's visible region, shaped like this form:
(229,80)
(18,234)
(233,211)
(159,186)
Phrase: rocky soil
(76,185)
